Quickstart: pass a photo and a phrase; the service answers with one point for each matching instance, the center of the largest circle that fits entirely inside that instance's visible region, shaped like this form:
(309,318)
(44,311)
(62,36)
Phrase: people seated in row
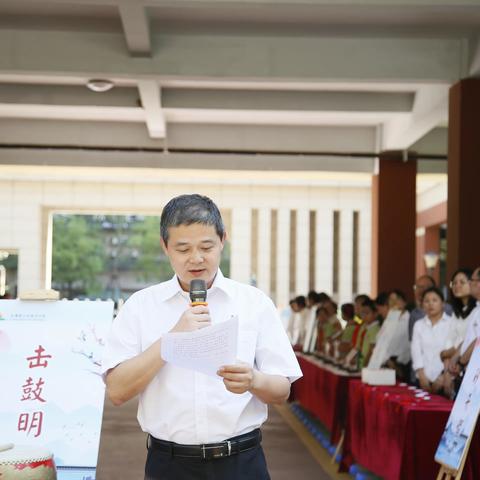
(376,333)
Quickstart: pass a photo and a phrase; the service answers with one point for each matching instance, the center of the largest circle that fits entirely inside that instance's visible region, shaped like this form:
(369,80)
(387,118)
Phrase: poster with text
(52,390)
(463,417)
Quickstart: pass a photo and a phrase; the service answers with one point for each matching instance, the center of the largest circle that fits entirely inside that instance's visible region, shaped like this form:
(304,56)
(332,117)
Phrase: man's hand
(192,319)
(238,378)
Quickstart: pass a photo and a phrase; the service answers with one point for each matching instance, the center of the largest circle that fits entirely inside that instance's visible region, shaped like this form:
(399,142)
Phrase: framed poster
(455,440)
(52,390)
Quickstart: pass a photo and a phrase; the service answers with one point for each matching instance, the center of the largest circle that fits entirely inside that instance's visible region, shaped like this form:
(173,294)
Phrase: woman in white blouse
(462,303)
(430,335)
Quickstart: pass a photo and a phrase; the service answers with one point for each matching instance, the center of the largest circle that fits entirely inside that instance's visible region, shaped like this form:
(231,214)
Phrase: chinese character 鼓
(35,361)
(31,393)
(27,423)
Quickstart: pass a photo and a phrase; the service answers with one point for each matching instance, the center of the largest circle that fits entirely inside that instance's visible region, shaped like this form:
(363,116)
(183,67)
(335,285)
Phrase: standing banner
(52,391)
(453,447)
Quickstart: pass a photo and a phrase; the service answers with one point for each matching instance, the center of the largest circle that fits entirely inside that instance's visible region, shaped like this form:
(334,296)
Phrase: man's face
(194,251)
(383,310)
(475,284)
(420,286)
(367,314)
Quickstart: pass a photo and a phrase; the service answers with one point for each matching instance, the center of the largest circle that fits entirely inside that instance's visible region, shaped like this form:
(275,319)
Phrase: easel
(339,447)
(46,294)
(447,473)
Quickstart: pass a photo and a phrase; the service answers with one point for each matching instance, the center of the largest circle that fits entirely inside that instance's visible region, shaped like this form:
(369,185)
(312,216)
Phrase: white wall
(28,194)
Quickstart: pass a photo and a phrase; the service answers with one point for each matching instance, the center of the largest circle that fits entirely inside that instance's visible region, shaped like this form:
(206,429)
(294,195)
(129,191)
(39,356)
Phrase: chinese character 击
(35,361)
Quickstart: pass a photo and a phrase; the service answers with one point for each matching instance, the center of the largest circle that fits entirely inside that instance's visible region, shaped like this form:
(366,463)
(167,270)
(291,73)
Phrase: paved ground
(122,448)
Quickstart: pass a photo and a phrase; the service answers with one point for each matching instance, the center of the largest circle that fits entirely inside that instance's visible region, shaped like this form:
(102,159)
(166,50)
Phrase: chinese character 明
(35,361)
(31,393)
(27,423)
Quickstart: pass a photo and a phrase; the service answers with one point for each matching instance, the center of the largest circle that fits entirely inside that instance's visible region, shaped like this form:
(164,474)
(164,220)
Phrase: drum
(26,462)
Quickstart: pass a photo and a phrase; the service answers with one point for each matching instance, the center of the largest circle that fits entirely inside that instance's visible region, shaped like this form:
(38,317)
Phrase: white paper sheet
(204,350)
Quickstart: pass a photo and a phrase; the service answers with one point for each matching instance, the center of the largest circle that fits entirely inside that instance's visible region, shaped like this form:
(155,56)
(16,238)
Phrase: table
(395,434)
(388,430)
(323,392)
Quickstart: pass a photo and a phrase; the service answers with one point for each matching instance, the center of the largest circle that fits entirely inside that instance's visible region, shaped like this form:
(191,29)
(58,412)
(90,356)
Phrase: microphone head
(198,290)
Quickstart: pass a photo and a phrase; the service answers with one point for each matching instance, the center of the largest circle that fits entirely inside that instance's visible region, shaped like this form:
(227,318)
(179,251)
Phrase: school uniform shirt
(188,407)
(427,342)
(473,328)
(369,339)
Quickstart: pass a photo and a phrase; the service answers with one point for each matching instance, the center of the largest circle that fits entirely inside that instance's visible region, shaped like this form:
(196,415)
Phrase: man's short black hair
(363,297)
(382,298)
(189,209)
(370,304)
(300,301)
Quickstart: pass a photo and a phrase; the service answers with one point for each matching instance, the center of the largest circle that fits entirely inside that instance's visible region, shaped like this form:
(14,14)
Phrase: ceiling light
(99,85)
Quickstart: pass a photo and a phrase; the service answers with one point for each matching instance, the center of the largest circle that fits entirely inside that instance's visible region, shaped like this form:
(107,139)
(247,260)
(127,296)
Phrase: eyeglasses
(458,283)
(421,287)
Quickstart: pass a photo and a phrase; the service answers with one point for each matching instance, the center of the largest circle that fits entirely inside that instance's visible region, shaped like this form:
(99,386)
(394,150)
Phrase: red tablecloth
(323,393)
(395,435)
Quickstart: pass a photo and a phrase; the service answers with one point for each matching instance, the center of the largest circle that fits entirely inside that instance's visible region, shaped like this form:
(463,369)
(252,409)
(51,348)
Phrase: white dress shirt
(457,335)
(188,407)
(392,340)
(427,342)
(473,328)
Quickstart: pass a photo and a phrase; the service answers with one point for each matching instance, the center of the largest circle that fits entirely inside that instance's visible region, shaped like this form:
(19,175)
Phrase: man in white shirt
(473,325)
(198,425)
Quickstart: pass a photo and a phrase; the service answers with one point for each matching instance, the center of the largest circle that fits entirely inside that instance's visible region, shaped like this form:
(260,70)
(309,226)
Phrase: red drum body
(22,462)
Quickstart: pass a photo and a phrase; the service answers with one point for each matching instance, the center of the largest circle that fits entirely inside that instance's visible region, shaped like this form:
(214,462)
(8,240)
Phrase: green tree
(152,264)
(78,255)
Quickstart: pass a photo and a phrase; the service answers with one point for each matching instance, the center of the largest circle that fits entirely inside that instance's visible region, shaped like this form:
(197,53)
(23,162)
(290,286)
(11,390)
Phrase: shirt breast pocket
(247,344)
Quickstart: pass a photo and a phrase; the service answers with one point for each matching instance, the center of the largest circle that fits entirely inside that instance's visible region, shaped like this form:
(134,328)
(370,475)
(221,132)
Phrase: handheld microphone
(198,292)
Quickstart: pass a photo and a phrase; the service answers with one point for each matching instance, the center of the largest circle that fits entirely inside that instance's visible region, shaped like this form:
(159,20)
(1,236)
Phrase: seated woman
(392,348)
(463,303)
(430,334)
(345,341)
(369,314)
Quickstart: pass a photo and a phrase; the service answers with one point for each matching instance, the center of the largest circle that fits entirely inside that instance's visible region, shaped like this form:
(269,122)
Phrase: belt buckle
(220,454)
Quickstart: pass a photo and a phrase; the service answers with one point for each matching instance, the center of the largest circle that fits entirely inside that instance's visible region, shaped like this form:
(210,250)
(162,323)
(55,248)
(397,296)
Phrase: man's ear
(164,246)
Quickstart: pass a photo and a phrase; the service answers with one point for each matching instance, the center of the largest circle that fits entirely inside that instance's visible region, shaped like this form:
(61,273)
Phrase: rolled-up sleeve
(274,354)
(123,340)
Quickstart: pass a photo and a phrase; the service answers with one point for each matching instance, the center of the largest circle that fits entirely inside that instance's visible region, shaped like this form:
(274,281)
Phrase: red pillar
(393,224)
(463,232)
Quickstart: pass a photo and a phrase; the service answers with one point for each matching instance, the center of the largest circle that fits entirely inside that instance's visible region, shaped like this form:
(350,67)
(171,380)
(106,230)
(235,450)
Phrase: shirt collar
(172,287)
(444,318)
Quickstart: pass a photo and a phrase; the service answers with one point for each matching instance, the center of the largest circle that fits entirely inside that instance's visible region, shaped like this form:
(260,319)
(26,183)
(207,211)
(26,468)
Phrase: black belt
(208,451)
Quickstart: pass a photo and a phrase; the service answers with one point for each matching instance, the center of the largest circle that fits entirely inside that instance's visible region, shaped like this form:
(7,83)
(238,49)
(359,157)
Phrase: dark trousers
(248,465)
